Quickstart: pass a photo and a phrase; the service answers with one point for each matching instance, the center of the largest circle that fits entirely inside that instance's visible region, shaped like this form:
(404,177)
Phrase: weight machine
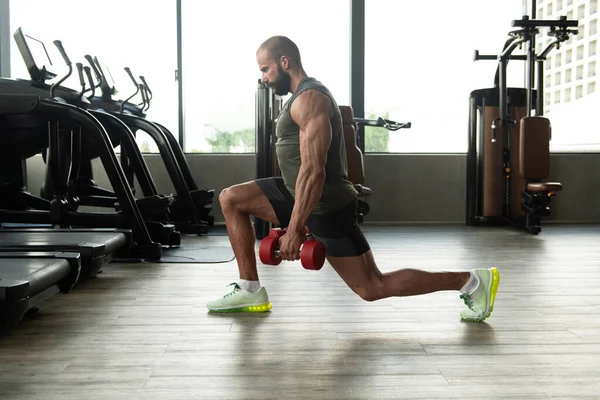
(508,158)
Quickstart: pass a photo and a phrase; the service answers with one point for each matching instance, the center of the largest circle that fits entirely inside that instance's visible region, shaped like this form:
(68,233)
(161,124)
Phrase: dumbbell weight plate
(312,255)
(266,251)
(277,232)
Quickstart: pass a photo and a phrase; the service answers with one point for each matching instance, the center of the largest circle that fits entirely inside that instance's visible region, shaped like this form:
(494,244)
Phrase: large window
(573,123)
(137,34)
(419,67)
(220,74)
(419,63)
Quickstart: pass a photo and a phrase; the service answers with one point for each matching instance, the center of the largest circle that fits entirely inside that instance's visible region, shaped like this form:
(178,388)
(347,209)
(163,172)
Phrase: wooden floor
(141,331)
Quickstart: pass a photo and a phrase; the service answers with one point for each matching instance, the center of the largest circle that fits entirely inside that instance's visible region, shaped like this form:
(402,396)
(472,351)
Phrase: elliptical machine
(72,148)
(191,207)
(58,125)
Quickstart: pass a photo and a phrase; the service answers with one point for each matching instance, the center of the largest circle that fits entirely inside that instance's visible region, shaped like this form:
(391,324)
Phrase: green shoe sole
(249,309)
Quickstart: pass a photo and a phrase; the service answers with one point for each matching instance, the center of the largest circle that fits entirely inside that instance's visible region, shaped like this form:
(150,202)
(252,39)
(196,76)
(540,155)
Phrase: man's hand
(289,246)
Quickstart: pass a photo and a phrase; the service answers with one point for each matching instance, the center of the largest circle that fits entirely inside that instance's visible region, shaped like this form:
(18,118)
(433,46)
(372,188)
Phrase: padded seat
(354,158)
(534,167)
(544,187)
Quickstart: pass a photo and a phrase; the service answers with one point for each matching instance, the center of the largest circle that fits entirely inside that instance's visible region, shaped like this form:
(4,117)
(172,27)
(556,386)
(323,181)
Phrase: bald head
(278,46)
(278,59)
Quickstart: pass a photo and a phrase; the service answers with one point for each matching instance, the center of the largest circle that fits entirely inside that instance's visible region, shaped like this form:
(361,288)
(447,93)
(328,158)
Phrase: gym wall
(406,188)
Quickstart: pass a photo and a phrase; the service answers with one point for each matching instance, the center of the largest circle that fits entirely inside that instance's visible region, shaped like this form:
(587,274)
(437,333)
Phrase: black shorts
(338,230)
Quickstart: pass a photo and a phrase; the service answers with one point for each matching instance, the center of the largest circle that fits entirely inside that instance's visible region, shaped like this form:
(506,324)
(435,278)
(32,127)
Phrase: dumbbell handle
(278,253)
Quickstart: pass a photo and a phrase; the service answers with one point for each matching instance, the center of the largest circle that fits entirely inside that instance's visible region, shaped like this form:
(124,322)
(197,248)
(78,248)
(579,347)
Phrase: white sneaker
(480,300)
(241,300)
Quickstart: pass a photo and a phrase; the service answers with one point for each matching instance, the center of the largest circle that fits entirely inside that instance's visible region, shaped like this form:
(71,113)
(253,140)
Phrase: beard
(283,82)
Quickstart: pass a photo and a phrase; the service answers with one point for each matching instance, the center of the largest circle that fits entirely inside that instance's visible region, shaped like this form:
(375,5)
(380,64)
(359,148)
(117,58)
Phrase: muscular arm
(311,111)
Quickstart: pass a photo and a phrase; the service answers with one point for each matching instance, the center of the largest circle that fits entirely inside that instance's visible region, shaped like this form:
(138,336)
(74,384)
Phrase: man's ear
(284,62)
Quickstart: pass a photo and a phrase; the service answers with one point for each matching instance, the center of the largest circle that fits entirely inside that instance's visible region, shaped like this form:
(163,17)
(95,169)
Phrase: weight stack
(263,161)
(493,193)
(267,112)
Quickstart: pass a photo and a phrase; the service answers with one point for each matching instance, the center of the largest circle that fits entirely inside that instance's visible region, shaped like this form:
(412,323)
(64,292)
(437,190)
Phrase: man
(313,191)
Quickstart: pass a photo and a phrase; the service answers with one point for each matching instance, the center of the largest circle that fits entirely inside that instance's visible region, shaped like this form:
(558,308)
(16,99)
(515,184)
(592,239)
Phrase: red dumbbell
(277,232)
(312,252)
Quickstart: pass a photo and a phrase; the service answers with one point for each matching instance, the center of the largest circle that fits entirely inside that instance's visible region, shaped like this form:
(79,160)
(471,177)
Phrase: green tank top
(338,191)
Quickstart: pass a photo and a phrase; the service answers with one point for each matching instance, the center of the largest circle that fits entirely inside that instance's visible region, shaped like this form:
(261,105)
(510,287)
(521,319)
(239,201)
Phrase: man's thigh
(279,197)
(339,232)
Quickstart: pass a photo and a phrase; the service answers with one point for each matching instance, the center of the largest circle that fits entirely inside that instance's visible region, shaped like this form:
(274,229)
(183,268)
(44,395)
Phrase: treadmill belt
(55,239)
(96,248)
(22,278)
(28,281)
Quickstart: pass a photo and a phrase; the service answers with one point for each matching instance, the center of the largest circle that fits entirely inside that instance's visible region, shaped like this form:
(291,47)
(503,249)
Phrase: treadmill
(29,278)
(96,247)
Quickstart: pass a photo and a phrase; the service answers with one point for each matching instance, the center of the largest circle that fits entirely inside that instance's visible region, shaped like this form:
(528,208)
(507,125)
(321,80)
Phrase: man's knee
(371,291)
(227,197)
(241,197)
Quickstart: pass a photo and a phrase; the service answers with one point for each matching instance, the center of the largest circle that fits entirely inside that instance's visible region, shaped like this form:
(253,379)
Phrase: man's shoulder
(312,100)
(312,95)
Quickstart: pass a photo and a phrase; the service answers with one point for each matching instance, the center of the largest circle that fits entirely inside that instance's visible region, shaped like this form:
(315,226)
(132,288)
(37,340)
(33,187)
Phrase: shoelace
(236,288)
(467,299)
